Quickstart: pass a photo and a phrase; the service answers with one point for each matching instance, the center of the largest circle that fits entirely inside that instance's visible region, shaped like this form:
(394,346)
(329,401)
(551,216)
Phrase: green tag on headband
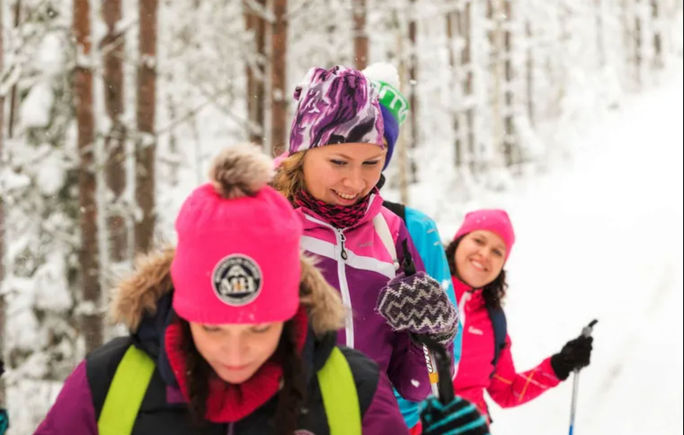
(392,99)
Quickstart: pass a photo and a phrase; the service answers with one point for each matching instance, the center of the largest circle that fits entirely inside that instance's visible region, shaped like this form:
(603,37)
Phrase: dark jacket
(164,410)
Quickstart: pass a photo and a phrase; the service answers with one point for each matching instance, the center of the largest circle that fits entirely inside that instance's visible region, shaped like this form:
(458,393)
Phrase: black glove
(574,355)
(458,416)
(2,367)
(418,304)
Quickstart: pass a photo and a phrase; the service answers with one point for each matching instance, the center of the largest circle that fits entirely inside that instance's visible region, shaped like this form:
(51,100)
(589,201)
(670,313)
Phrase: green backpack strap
(340,399)
(126,393)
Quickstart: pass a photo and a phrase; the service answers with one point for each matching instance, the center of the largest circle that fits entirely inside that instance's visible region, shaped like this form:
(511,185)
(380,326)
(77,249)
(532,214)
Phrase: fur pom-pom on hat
(240,170)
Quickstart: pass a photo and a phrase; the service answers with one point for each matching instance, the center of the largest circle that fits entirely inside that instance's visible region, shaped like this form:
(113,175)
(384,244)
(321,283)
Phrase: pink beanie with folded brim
(494,220)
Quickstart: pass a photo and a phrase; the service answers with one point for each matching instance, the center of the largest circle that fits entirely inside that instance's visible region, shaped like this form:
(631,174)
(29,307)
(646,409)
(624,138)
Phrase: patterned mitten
(456,417)
(418,304)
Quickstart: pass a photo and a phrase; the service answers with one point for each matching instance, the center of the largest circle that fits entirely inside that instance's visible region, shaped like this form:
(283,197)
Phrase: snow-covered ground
(601,237)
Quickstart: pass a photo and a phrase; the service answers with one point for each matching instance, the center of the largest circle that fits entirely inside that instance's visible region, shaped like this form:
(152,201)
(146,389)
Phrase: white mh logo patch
(236,280)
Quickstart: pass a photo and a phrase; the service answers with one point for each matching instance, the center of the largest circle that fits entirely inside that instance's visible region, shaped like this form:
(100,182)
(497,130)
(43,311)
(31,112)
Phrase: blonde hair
(289,176)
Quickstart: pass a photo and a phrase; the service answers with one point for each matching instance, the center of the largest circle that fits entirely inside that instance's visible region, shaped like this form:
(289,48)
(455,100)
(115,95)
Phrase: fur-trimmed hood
(138,295)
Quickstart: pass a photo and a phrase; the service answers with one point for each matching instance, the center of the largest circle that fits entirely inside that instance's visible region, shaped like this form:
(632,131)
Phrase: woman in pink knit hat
(232,331)
(476,256)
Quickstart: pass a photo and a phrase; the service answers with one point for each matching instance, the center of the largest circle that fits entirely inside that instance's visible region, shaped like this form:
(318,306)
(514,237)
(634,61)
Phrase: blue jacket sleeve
(407,369)
(428,243)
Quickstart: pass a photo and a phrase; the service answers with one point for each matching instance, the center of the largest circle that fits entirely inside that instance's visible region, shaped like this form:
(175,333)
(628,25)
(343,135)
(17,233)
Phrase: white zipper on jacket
(342,278)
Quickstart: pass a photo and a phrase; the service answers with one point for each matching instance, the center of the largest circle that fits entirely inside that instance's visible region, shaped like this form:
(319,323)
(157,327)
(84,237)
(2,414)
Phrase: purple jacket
(357,263)
(163,409)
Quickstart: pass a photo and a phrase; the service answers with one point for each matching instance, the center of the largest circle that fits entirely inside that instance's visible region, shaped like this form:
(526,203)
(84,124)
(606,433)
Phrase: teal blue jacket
(428,243)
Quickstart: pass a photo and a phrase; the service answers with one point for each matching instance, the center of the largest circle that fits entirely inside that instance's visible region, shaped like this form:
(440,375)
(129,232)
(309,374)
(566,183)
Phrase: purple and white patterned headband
(335,106)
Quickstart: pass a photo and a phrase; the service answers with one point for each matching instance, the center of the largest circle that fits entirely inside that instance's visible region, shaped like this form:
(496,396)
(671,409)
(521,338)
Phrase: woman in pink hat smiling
(476,257)
(231,331)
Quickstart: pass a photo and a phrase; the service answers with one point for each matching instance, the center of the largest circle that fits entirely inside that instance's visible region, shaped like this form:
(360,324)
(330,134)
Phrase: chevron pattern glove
(419,305)
(456,417)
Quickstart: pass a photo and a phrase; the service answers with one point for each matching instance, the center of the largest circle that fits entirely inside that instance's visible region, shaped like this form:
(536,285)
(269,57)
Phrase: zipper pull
(342,240)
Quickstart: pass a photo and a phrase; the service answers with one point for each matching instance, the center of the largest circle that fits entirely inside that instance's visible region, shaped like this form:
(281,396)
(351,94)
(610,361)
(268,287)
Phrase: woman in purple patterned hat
(336,153)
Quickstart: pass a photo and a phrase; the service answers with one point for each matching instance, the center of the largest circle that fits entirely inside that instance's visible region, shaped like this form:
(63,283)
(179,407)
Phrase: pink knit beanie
(237,258)
(494,220)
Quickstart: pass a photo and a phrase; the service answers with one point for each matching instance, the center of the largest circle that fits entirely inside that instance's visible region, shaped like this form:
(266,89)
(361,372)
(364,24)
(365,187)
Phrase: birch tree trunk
(360,34)
(115,141)
(278,77)
(88,251)
(145,117)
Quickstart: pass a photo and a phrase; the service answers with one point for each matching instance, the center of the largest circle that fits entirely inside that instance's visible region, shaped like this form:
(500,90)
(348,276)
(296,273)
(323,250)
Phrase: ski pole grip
(586,331)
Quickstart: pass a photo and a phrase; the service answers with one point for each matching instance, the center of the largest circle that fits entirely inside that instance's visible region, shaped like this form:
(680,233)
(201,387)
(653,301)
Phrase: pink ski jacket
(356,261)
(506,386)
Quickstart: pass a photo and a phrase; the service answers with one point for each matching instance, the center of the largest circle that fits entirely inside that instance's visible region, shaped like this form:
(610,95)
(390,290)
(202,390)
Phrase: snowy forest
(112,109)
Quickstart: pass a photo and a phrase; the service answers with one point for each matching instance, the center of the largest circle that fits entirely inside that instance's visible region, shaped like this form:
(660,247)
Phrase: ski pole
(439,368)
(433,375)
(586,332)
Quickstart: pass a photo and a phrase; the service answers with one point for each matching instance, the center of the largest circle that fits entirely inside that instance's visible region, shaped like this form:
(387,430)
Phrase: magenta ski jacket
(506,386)
(355,261)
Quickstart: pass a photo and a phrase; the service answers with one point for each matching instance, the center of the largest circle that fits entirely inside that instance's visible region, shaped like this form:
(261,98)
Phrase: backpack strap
(498,319)
(340,399)
(396,208)
(381,227)
(126,393)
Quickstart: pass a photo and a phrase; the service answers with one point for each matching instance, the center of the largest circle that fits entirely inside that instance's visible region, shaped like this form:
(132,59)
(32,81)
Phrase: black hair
(494,292)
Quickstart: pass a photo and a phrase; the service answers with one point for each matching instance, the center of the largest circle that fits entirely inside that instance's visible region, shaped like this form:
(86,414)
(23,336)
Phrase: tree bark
(115,141)
(13,92)
(278,77)
(600,44)
(360,34)
(511,151)
(638,41)
(256,74)
(3,320)
(658,61)
(145,116)
(413,81)
(468,88)
(88,252)
(451,19)
(529,72)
